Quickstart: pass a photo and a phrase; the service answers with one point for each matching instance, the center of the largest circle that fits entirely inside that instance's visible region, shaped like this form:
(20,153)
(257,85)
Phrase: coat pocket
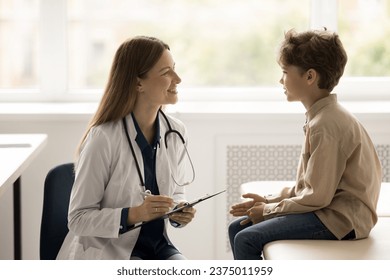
(90,253)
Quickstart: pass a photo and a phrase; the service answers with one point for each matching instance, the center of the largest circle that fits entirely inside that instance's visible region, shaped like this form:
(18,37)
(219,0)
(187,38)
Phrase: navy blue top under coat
(151,237)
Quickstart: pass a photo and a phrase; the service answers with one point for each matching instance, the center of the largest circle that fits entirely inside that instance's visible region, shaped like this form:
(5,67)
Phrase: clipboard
(187,205)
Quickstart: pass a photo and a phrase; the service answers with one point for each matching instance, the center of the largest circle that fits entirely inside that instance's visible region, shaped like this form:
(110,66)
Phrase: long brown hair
(133,59)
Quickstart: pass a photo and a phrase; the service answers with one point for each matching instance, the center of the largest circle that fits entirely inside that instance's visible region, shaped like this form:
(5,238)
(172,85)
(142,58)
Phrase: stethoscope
(170,131)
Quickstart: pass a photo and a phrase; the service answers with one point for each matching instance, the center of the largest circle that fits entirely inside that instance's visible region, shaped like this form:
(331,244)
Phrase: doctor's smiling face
(159,86)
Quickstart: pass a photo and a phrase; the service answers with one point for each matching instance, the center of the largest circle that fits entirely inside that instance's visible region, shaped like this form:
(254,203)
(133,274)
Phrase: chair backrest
(54,224)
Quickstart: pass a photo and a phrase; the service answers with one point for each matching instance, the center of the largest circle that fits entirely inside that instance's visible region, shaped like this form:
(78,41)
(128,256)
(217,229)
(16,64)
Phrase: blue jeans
(247,241)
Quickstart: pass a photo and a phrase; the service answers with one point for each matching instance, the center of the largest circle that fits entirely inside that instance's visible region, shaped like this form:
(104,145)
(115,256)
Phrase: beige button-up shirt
(339,173)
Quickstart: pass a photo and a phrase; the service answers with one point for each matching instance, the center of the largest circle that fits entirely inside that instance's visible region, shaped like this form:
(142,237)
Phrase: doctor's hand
(255,214)
(152,207)
(185,216)
(240,209)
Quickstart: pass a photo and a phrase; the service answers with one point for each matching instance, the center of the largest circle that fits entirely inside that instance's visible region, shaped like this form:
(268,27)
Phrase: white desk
(17,152)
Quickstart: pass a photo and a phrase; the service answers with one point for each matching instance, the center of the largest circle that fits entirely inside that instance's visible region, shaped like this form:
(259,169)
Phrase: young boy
(339,173)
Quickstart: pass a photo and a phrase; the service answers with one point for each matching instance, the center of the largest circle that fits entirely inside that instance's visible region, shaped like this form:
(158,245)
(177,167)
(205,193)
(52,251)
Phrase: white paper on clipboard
(190,204)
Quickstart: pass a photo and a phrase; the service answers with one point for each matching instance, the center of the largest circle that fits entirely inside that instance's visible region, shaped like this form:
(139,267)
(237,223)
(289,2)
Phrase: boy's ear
(311,75)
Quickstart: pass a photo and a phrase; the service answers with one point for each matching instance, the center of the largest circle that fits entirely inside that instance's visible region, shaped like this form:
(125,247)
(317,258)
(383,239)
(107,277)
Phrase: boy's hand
(240,209)
(255,214)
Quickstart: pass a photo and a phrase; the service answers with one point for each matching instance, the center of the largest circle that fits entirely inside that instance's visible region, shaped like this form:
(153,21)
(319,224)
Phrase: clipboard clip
(178,209)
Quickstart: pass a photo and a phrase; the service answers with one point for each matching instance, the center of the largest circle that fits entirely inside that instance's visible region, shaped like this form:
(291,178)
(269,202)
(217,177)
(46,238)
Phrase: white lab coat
(107,181)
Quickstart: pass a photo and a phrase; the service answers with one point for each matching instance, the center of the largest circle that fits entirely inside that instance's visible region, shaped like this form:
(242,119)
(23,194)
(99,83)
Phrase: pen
(146,193)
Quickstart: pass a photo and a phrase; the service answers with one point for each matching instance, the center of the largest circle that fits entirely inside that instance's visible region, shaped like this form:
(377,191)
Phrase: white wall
(205,237)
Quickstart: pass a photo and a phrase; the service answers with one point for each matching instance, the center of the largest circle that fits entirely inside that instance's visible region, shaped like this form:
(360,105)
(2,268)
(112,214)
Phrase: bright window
(364,26)
(215,43)
(19,41)
(224,49)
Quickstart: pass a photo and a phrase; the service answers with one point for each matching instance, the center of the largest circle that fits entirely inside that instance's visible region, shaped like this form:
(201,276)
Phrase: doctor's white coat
(107,181)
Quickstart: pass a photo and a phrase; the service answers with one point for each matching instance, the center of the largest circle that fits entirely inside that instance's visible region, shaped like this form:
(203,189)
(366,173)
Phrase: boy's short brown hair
(319,50)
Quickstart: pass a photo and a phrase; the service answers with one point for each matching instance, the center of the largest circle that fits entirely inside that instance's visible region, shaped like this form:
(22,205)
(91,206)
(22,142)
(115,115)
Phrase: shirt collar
(316,107)
(140,138)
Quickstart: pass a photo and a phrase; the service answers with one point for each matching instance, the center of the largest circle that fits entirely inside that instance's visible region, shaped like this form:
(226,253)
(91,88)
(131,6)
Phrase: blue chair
(54,224)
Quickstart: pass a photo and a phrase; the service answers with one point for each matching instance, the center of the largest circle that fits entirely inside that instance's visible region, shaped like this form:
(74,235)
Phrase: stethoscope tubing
(170,130)
(133,152)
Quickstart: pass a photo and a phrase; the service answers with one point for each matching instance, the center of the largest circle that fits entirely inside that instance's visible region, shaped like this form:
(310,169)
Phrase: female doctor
(131,162)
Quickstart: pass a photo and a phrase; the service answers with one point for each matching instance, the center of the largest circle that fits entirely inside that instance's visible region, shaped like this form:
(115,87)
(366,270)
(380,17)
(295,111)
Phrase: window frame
(53,85)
